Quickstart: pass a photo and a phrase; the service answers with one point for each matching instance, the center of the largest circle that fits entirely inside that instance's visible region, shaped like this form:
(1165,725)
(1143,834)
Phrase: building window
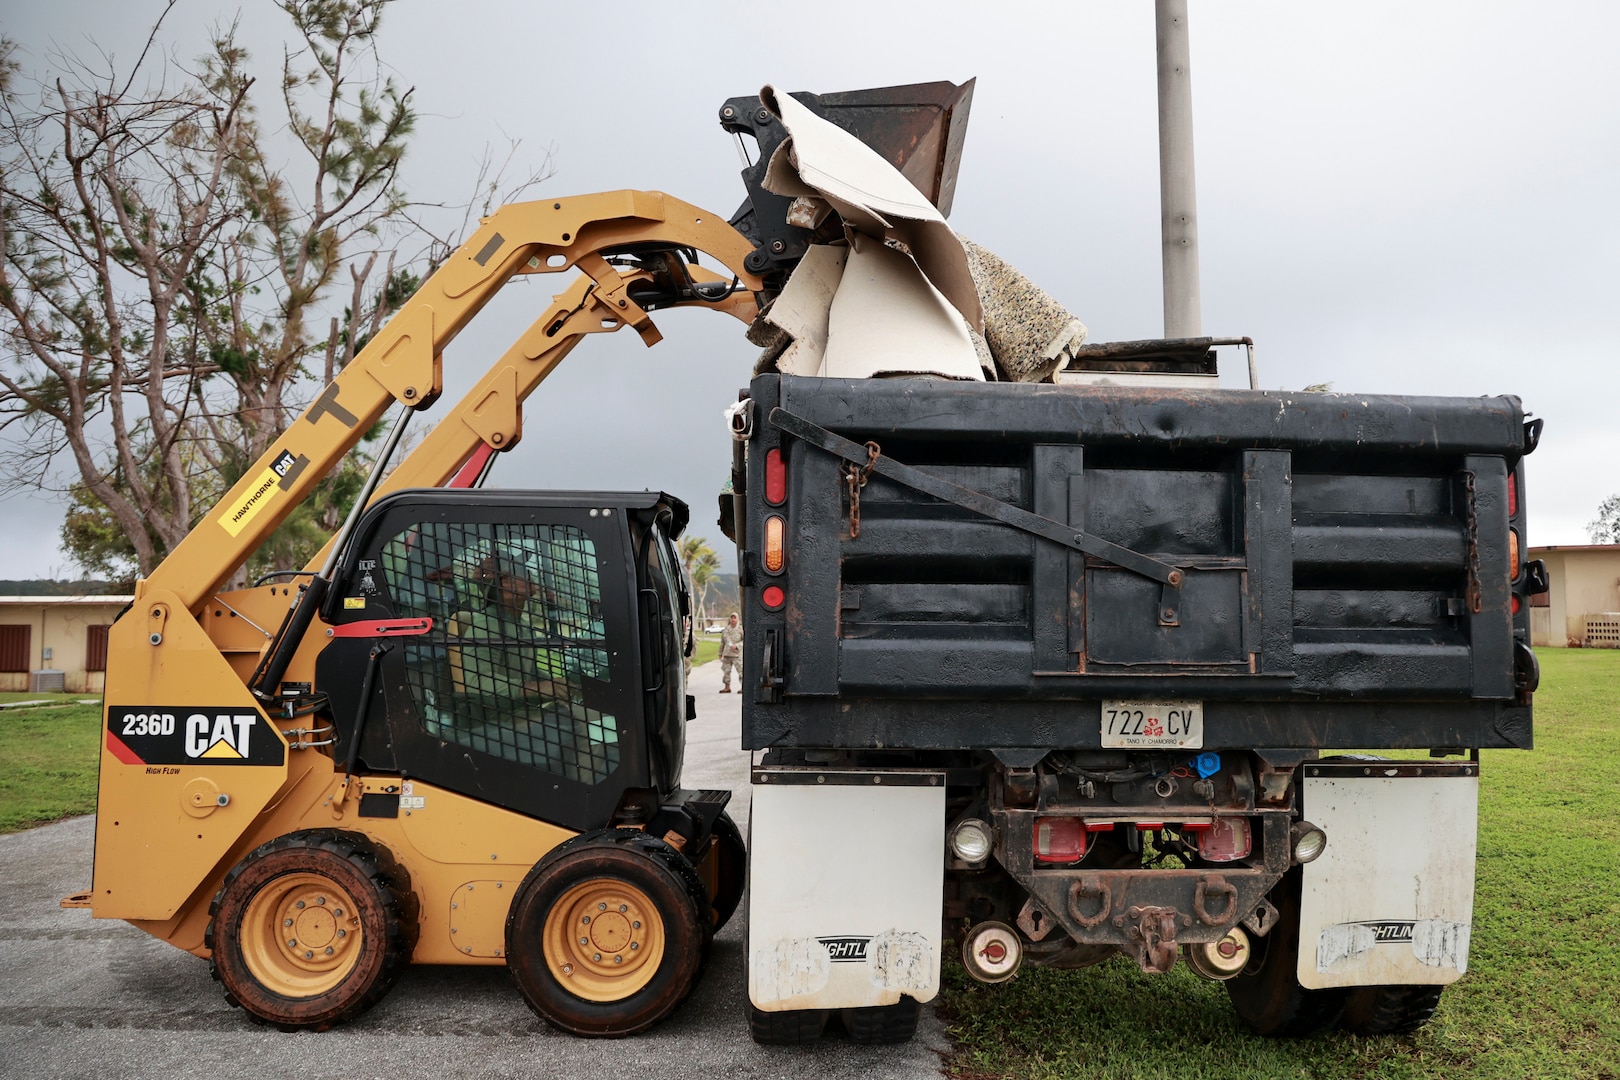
(95,648)
(14,651)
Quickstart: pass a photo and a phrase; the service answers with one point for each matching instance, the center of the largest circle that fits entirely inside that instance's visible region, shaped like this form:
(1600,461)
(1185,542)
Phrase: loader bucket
(919,129)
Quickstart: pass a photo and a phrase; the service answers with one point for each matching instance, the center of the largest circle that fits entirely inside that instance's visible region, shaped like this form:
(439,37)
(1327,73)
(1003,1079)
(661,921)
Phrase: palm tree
(702,564)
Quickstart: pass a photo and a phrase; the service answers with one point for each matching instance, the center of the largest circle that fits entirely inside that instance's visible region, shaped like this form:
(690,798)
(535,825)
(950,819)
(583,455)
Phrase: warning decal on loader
(192,736)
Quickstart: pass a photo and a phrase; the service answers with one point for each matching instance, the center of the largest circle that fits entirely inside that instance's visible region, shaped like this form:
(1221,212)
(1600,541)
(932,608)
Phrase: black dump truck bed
(1319,570)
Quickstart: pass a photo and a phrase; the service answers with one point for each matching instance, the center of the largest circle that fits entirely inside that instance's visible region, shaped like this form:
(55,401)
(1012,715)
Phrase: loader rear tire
(730,870)
(1267,994)
(306,931)
(607,933)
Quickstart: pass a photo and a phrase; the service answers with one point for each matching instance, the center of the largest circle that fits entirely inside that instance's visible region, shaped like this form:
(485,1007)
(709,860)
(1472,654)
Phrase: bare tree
(1605,528)
(166,289)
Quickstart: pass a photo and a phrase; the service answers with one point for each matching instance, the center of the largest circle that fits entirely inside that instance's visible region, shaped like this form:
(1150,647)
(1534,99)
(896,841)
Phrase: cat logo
(229,735)
(171,736)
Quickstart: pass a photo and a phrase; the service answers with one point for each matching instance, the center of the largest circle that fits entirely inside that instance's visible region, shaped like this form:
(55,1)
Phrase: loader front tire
(607,934)
(307,931)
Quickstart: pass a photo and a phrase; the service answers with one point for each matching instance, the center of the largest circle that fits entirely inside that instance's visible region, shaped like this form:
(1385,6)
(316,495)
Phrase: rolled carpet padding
(1030,334)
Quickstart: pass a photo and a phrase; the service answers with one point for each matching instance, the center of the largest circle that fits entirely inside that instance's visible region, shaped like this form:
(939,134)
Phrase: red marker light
(775,478)
(1059,840)
(1513,494)
(773,597)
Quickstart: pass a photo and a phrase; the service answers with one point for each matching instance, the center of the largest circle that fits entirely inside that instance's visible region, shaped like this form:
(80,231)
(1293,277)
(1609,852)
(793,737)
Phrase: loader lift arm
(631,247)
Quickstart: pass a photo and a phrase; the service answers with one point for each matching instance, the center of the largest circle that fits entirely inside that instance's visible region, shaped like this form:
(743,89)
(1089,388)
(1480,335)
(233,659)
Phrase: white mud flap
(1390,901)
(845,886)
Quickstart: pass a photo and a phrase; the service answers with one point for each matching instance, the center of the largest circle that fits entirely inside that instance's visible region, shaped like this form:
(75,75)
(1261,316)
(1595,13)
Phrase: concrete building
(1583,606)
(66,634)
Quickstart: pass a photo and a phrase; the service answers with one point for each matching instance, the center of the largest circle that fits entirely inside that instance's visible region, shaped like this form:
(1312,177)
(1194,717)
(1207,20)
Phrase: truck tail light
(773,597)
(1513,494)
(775,540)
(775,478)
(1059,840)
(1227,840)
(1513,554)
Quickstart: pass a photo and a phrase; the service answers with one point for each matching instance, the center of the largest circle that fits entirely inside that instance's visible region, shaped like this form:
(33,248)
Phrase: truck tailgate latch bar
(859,455)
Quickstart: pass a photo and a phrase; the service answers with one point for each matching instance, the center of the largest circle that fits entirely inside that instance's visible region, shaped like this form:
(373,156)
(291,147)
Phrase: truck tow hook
(1153,929)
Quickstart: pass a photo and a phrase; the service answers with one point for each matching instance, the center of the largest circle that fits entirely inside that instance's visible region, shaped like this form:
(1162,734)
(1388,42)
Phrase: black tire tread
(883,1025)
(729,889)
(646,846)
(390,885)
(1389,1010)
(794,1027)
(1270,1000)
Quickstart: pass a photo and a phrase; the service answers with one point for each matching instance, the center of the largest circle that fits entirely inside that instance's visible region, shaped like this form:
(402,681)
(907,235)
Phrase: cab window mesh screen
(517,651)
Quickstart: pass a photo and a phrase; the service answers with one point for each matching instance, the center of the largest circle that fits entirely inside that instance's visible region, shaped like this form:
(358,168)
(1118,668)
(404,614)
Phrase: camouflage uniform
(731,639)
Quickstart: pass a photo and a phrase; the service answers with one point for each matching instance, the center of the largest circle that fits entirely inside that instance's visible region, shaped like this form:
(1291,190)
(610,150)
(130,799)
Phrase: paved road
(90,998)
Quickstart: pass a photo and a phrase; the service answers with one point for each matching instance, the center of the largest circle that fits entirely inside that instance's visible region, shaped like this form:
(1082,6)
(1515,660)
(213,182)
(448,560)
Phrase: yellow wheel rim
(603,940)
(301,935)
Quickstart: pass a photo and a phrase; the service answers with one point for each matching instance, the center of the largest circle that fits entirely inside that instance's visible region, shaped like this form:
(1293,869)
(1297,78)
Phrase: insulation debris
(1030,334)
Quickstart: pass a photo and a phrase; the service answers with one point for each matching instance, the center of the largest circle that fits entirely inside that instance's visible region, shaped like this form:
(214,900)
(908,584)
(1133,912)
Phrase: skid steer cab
(474,757)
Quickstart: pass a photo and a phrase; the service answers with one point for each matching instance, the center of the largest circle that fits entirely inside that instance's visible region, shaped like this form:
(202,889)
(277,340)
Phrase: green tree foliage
(702,564)
(168,289)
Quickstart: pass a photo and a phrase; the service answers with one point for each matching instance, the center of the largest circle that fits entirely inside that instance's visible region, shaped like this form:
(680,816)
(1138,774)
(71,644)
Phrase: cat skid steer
(458,739)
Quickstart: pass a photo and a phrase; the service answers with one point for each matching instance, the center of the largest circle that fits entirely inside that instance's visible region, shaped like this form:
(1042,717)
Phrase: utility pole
(1178,199)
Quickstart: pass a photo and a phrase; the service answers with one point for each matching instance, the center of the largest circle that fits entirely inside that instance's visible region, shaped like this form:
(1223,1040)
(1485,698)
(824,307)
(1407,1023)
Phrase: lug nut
(624,907)
(292,943)
(320,900)
(618,959)
(584,941)
(634,945)
(597,957)
(308,955)
(601,907)
(585,920)
(329,950)
(286,922)
(299,904)
(635,925)
(343,933)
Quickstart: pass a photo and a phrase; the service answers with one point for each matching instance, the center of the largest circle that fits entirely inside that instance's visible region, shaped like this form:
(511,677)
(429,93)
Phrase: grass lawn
(1541,997)
(706,648)
(18,695)
(48,759)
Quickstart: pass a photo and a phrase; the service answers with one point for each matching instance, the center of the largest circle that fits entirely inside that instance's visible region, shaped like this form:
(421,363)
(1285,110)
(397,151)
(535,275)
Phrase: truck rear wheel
(306,931)
(1267,994)
(1389,1010)
(791,1027)
(607,933)
(883,1025)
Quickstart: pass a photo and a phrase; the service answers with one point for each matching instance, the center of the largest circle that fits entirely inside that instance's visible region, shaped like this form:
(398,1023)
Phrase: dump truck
(1061,672)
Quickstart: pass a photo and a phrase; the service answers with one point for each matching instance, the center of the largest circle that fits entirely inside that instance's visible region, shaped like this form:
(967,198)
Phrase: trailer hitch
(868,458)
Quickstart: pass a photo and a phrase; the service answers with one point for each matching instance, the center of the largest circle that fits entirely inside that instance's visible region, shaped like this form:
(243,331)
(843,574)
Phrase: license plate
(1177,724)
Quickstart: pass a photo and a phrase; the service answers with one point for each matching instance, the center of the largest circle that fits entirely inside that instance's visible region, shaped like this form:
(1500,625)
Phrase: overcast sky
(1392,197)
